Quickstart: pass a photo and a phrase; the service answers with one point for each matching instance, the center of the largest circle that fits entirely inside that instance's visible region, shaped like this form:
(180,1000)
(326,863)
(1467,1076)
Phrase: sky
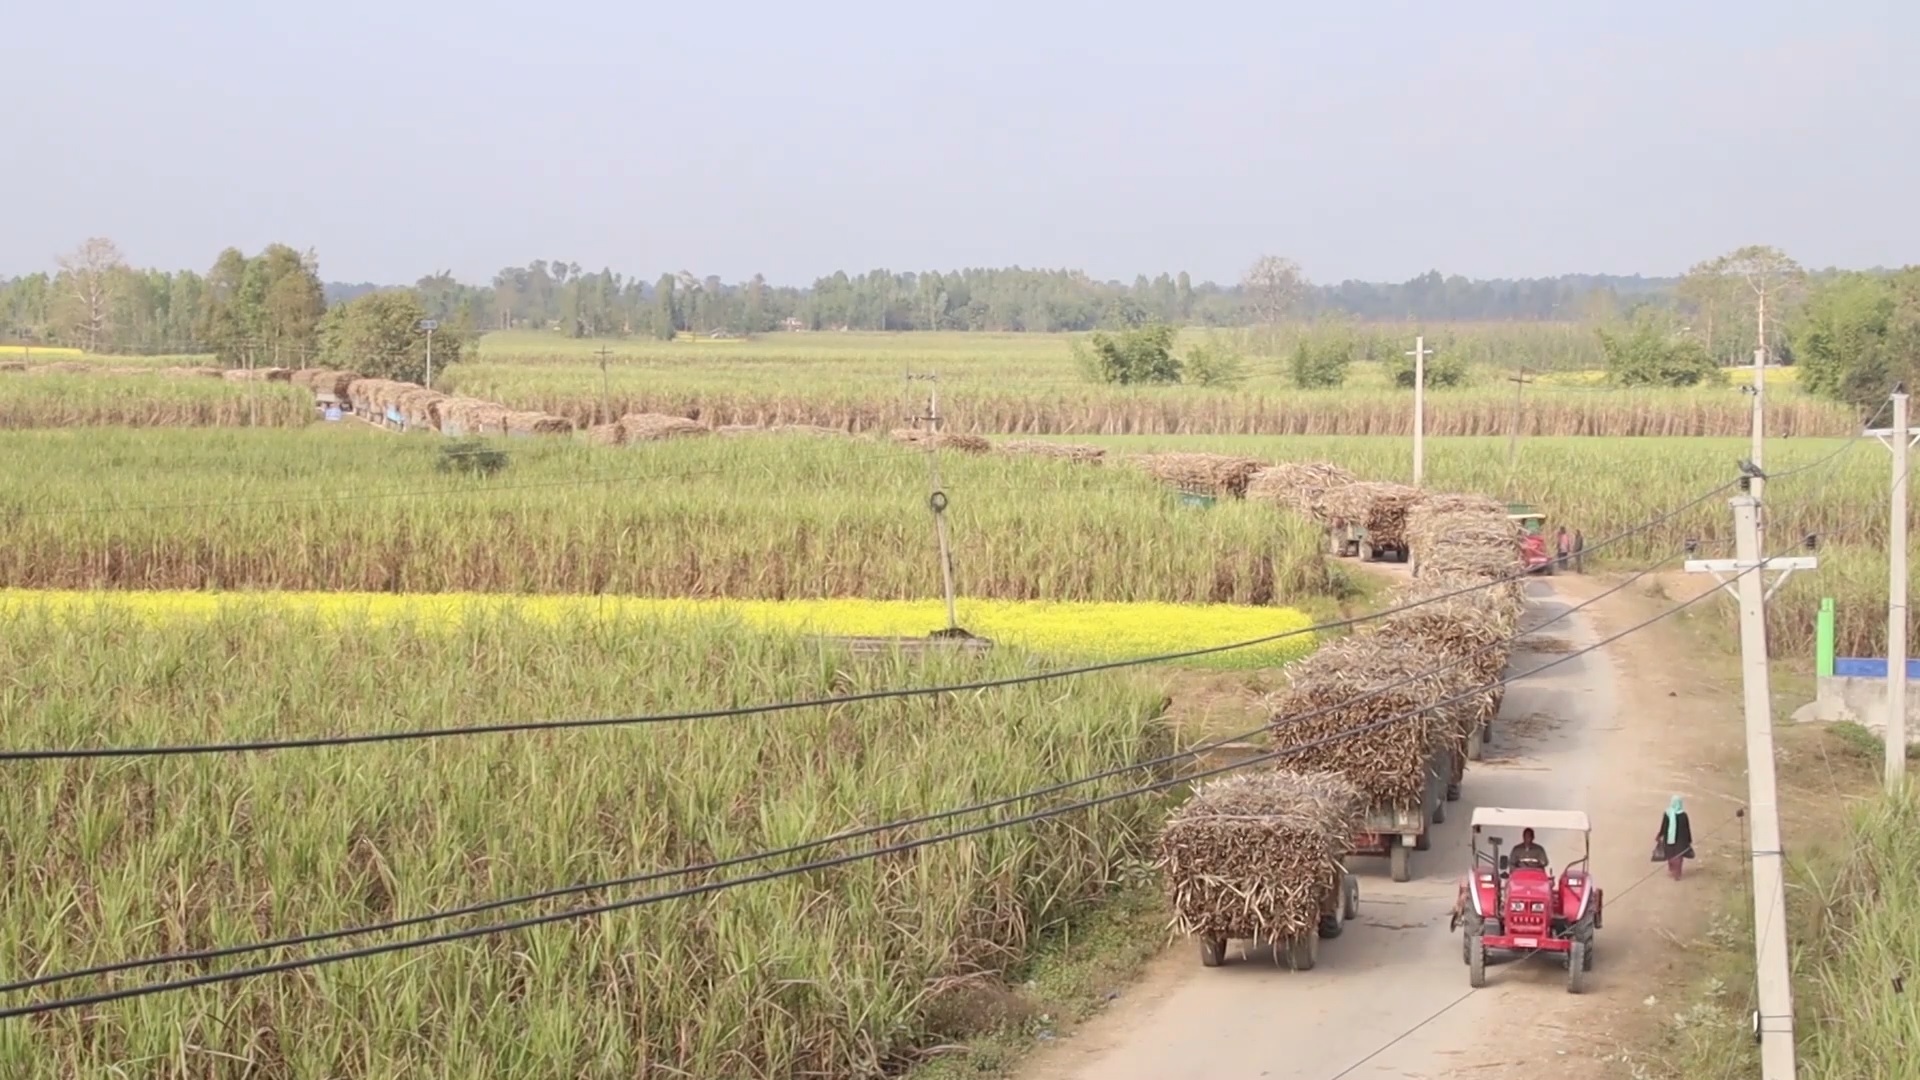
(1368,140)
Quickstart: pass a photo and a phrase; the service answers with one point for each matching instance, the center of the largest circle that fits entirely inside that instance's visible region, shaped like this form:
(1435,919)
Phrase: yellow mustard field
(1078,630)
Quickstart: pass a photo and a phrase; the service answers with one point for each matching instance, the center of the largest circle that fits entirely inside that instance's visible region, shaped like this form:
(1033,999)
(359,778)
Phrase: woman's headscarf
(1674,810)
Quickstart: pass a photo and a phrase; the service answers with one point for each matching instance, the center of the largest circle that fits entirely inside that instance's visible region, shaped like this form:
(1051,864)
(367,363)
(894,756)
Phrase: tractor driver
(1529,854)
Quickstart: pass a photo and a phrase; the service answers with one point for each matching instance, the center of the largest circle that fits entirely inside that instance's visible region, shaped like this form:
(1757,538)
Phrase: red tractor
(1513,904)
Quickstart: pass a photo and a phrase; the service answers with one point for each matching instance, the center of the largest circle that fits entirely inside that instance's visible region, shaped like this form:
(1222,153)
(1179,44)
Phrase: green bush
(1130,357)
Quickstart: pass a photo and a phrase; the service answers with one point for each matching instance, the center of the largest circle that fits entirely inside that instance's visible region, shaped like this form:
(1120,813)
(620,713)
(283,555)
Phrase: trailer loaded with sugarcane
(1258,858)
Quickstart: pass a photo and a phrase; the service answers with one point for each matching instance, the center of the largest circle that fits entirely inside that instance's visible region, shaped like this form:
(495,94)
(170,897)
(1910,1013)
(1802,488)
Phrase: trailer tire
(1453,792)
(1477,743)
(1399,860)
(1476,961)
(1213,951)
(1330,926)
(1350,899)
(1423,842)
(1440,813)
(1303,951)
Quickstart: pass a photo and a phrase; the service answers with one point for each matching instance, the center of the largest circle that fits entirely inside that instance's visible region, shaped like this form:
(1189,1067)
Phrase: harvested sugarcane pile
(1300,485)
(261,374)
(653,427)
(1200,474)
(1435,515)
(538,423)
(1490,555)
(1378,506)
(1076,452)
(325,380)
(606,435)
(942,440)
(1377,703)
(1254,855)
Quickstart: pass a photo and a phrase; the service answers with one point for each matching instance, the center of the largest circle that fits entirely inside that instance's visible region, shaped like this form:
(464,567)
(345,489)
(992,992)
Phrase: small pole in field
(1520,379)
(606,410)
(1420,353)
(938,499)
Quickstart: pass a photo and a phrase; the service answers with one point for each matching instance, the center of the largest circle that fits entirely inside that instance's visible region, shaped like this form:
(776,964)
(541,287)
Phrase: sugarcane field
(1250,613)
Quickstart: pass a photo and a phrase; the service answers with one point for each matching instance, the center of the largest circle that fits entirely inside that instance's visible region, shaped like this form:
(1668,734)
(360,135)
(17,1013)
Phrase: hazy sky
(1372,140)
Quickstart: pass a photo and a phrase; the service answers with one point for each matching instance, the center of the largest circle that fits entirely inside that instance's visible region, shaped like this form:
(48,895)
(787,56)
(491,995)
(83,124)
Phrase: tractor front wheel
(1578,962)
(1476,961)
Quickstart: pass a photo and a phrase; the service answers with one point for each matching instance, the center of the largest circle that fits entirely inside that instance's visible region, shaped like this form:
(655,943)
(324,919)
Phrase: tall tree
(1274,285)
(1772,282)
(88,276)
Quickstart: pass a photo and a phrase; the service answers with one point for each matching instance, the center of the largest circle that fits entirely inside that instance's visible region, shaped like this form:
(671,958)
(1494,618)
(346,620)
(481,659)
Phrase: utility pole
(1520,379)
(429,325)
(1420,353)
(606,410)
(937,500)
(1899,440)
(1773,1020)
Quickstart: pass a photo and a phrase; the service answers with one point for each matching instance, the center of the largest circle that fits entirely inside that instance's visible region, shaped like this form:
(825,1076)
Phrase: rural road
(1389,997)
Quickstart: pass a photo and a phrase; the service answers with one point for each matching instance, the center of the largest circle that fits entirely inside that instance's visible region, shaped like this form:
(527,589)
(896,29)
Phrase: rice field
(831,973)
(1060,631)
(345,508)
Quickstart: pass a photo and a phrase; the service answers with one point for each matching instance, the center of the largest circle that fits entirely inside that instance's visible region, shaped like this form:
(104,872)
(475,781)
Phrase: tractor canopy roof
(1504,817)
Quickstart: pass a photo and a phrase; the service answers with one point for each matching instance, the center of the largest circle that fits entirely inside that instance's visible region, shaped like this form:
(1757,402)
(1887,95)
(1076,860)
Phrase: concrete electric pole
(1773,1020)
(1420,353)
(1899,440)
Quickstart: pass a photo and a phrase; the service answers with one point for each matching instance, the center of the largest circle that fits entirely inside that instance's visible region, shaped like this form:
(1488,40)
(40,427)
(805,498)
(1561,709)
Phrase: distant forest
(96,301)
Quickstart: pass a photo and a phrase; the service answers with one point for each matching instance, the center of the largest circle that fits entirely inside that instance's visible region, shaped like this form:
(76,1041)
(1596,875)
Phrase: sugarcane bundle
(1204,474)
(1482,559)
(1375,709)
(1379,506)
(651,427)
(942,440)
(1437,514)
(606,435)
(537,423)
(1075,452)
(1256,854)
(1299,485)
(419,405)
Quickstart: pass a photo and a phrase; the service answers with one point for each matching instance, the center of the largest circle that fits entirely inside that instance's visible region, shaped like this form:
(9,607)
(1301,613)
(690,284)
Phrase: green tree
(1652,353)
(1131,357)
(1445,368)
(379,335)
(1318,364)
(1858,335)
(1214,363)
(666,318)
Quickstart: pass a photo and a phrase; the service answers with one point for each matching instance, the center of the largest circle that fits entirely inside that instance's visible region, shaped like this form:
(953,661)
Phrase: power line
(185,749)
(707,888)
(796,849)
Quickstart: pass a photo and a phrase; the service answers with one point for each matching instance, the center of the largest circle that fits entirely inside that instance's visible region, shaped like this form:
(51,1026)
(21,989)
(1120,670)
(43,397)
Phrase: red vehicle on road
(1516,905)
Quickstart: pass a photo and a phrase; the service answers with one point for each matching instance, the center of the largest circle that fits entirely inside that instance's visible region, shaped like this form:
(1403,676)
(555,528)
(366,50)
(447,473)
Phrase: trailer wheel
(1423,842)
(1303,951)
(1330,926)
(1366,551)
(1213,951)
(1577,964)
(1476,961)
(1440,813)
(1399,860)
(1453,792)
(1350,899)
(1477,743)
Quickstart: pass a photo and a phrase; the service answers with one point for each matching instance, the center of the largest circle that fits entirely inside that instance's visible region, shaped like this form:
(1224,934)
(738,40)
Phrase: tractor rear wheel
(1399,860)
(1476,961)
(1303,951)
(1350,899)
(1213,951)
(1578,962)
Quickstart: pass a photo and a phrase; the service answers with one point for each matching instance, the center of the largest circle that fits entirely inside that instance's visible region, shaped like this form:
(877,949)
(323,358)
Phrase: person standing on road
(1673,844)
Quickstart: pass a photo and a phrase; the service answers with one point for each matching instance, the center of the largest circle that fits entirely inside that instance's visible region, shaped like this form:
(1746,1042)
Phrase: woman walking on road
(1673,844)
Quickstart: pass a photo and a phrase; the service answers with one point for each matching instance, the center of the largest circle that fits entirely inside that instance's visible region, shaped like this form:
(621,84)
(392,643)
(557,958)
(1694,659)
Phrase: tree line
(274,308)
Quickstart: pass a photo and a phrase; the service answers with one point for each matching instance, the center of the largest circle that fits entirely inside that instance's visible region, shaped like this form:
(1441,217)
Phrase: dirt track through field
(1613,732)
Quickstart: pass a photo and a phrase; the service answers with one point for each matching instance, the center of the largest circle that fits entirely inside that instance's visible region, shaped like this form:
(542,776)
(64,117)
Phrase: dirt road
(1613,732)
